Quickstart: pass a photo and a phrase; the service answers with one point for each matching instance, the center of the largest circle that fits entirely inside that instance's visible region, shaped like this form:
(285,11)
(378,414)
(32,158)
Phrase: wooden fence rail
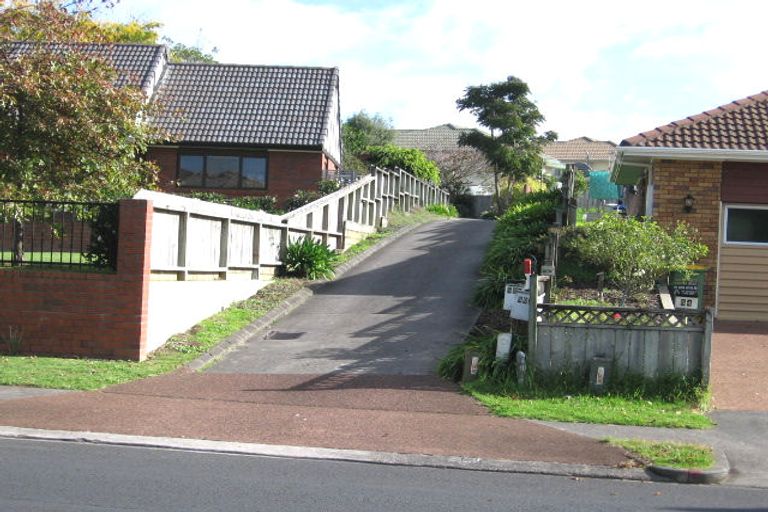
(193,239)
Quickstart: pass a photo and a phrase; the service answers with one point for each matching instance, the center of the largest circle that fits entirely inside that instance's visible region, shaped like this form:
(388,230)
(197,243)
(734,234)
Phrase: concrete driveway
(396,313)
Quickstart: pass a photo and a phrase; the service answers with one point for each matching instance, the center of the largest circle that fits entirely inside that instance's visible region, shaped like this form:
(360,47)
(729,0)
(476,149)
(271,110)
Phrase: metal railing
(58,233)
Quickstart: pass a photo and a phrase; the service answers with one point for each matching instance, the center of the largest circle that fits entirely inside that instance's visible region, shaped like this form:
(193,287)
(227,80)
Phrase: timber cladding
(85,313)
(673,181)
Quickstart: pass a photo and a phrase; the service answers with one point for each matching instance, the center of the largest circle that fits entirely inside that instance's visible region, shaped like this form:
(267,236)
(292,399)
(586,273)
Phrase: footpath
(348,375)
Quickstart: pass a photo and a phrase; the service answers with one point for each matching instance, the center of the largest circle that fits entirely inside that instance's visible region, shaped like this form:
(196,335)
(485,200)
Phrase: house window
(746,224)
(222,171)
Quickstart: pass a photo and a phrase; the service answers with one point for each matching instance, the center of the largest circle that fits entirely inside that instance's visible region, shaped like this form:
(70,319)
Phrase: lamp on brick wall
(688,203)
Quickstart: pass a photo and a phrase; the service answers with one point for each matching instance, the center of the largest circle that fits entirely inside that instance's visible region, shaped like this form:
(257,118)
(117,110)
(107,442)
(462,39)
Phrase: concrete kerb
(316,453)
(718,474)
(289,304)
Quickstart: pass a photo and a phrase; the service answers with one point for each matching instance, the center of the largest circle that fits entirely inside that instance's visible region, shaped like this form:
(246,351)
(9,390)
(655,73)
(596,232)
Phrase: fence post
(706,347)
(533,314)
(183,254)
(224,248)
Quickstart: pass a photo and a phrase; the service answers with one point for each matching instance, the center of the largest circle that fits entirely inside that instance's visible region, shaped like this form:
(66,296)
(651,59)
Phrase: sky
(605,70)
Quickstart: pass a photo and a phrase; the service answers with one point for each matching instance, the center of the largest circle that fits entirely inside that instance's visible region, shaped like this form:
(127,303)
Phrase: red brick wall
(673,180)
(287,172)
(85,314)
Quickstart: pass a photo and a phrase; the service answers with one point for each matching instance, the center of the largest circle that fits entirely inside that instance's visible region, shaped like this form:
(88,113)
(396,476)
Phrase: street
(56,476)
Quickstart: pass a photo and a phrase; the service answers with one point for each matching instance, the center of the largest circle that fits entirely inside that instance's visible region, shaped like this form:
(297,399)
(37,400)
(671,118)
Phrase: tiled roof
(580,149)
(741,124)
(135,63)
(255,105)
(438,138)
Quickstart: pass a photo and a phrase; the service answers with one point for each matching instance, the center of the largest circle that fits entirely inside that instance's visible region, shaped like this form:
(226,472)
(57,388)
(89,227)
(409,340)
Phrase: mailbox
(688,293)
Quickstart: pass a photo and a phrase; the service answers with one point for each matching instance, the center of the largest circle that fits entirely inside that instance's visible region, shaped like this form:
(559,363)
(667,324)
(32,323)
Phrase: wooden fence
(193,238)
(645,342)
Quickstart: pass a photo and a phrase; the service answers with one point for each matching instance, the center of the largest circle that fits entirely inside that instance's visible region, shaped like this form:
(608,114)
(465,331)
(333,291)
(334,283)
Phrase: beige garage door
(743,275)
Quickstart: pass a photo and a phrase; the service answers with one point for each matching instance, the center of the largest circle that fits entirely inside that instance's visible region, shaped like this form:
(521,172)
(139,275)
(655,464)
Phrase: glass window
(222,171)
(746,225)
(254,172)
(191,171)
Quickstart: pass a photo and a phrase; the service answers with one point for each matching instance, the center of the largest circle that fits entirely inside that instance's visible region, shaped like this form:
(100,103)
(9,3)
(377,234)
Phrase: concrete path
(396,313)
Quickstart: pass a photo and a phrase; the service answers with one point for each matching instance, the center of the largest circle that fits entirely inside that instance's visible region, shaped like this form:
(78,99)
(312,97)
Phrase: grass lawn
(668,453)
(86,374)
(583,408)
(47,257)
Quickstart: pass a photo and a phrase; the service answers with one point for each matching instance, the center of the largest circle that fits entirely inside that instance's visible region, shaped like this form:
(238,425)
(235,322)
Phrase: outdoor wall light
(688,203)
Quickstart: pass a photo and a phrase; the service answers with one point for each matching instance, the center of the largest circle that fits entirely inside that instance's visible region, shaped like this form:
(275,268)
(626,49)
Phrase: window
(746,224)
(222,171)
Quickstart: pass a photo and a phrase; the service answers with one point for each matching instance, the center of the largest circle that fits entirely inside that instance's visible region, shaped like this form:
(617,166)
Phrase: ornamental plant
(636,253)
(310,259)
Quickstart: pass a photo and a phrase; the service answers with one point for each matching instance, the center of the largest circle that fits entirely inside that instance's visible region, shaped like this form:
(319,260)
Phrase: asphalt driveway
(396,313)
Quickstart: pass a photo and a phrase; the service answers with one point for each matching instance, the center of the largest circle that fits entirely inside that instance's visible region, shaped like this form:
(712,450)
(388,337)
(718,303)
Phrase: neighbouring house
(583,153)
(591,157)
(458,164)
(711,171)
(234,129)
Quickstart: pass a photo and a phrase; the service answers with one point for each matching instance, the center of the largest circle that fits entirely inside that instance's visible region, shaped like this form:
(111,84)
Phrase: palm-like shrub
(310,259)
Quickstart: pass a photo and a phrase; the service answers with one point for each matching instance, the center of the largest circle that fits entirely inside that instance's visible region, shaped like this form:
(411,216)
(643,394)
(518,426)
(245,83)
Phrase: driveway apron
(396,313)
(740,366)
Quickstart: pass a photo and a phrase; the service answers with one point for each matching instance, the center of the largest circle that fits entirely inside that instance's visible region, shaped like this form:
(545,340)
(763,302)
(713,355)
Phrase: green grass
(667,453)
(48,257)
(584,408)
(85,374)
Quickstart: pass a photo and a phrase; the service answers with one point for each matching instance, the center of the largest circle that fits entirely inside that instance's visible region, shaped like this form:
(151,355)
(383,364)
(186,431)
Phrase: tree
(413,161)
(459,168)
(178,52)
(360,132)
(513,146)
(67,131)
(636,253)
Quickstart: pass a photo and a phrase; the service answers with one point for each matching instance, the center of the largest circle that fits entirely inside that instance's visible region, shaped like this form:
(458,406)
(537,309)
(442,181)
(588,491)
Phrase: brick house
(711,171)
(235,129)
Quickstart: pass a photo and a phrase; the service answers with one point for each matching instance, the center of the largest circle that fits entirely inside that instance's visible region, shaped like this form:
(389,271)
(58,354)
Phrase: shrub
(519,234)
(636,253)
(328,186)
(310,259)
(262,203)
(446,210)
(407,159)
(300,198)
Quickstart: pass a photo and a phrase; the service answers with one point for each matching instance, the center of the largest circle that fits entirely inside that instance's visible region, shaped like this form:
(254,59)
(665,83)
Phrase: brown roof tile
(741,124)
(580,149)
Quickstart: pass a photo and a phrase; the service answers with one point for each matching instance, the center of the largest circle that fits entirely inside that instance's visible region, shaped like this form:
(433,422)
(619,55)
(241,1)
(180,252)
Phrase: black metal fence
(58,233)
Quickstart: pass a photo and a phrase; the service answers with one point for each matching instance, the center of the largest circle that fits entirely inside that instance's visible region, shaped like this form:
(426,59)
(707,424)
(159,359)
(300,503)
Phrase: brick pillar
(133,270)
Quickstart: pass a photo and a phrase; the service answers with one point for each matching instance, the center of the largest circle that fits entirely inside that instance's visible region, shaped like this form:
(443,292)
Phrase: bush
(310,259)
(636,253)
(300,198)
(328,186)
(413,161)
(446,210)
(261,203)
(520,233)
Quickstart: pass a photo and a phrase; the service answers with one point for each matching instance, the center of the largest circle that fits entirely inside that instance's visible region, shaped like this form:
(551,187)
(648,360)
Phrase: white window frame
(726,211)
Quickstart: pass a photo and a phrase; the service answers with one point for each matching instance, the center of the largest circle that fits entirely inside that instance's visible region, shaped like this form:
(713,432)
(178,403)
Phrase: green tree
(413,161)
(513,146)
(360,132)
(636,253)
(67,132)
(178,52)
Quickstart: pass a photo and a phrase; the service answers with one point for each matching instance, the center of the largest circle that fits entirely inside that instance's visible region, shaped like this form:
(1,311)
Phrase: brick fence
(84,313)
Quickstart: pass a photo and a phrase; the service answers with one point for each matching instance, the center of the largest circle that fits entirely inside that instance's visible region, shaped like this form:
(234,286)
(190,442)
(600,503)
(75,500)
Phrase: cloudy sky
(607,70)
